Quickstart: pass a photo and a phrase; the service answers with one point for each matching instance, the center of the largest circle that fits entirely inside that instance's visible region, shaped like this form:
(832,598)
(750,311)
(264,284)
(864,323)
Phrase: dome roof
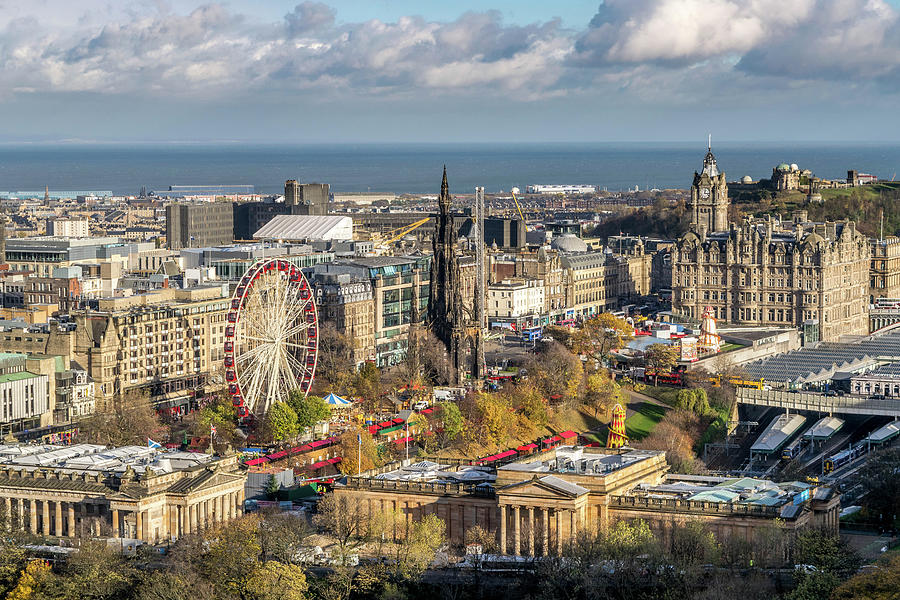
(569,242)
(746,179)
(783,167)
(794,167)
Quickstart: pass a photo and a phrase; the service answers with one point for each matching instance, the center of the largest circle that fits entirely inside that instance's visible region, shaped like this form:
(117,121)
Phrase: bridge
(882,320)
(842,405)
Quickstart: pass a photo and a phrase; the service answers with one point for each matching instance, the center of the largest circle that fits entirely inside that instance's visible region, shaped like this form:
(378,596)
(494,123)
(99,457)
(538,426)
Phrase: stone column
(20,503)
(59,521)
(71,516)
(573,526)
(231,500)
(46,518)
(220,508)
(194,516)
(139,524)
(545,524)
(7,506)
(115,522)
(558,532)
(179,521)
(502,529)
(530,531)
(516,525)
(33,514)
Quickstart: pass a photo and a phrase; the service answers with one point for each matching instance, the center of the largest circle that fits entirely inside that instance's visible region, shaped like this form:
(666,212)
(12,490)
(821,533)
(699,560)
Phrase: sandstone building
(538,503)
(767,272)
(130,492)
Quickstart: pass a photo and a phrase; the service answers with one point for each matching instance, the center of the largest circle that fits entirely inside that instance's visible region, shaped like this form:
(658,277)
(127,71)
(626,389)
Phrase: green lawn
(663,394)
(641,423)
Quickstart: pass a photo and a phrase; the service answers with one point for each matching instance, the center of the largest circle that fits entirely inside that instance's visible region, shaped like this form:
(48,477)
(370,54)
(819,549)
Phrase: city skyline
(351,71)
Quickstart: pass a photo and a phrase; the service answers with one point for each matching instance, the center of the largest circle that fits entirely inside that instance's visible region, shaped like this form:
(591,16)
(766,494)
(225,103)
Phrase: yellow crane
(395,234)
(519,208)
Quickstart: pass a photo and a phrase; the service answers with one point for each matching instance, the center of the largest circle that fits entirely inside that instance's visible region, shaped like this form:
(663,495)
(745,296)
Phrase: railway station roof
(823,360)
(777,433)
(885,433)
(824,428)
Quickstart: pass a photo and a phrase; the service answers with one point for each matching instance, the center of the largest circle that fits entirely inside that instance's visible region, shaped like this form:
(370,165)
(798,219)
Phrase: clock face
(704,192)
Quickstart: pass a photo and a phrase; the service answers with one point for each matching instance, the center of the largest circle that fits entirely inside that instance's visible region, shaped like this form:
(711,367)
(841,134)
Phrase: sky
(357,71)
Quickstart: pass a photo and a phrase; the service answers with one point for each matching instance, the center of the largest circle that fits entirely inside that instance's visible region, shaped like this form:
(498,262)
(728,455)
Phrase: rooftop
(744,490)
(93,458)
(578,460)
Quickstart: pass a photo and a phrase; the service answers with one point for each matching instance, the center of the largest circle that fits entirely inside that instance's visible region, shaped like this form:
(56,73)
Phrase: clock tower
(709,197)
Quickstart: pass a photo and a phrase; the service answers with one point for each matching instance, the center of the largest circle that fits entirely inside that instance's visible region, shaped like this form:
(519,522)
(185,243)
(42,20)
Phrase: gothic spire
(444,199)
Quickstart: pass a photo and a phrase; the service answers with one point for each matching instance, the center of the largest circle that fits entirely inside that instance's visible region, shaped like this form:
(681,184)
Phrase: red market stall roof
(403,440)
(567,435)
(527,447)
(334,461)
(391,429)
(426,411)
(386,424)
(373,429)
(257,461)
(318,465)
(277,455)
(552,440)
(397,421)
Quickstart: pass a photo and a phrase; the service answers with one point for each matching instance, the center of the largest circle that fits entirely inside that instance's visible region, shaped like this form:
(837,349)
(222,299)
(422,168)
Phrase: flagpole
(407,440)
(359,453)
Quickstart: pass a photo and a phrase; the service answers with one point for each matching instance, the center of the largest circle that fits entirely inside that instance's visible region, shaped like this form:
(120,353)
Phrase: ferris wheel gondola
(271,337)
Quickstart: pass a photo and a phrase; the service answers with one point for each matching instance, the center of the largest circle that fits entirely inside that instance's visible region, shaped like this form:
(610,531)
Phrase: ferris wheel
(271,337)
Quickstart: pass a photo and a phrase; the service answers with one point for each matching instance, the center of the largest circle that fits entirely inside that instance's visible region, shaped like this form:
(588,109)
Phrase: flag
(212,430)
(359,439)
(152,444)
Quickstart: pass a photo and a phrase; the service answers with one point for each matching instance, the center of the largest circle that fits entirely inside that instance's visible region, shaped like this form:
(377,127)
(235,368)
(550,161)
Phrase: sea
(416,168)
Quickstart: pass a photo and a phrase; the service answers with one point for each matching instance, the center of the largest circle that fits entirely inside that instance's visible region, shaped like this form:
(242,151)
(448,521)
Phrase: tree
(95,572)
(281,422)
(600,335)
(452,420)
(660,357)
(34,574)
(232,554)
(480,536)
(825,551)
(276,581)
(601,393)
(334,367)
(124,420)
(882,583)
(12,562)
(345,518)
(416,548)
(222,415)
(366,384)
(281,536)
(693,544)
(358,451)
(882,486)
(309,409)
(556,371)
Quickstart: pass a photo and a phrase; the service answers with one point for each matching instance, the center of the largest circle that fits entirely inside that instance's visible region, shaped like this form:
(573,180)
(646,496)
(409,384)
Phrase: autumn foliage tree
(599,335)
(123,420)
(358,451)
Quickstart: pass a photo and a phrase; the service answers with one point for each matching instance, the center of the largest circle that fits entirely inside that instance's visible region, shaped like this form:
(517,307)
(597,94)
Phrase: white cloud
(212,49)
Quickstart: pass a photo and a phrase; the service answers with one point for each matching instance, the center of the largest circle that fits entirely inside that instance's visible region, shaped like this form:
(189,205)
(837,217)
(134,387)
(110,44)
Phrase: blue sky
(422,71)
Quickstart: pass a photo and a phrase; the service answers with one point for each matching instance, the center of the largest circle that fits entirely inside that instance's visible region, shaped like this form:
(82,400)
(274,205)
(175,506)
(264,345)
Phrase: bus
(532,334)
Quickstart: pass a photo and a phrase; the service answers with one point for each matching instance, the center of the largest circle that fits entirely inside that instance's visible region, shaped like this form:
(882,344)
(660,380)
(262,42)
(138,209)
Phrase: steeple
(444,199)
(709,161)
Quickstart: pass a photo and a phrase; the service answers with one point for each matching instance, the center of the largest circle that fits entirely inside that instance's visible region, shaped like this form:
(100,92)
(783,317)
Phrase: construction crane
(519,208)
(395,234)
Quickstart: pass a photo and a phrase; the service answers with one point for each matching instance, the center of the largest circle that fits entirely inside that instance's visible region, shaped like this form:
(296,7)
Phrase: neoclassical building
(768,272)
(132,492)
(537,504)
